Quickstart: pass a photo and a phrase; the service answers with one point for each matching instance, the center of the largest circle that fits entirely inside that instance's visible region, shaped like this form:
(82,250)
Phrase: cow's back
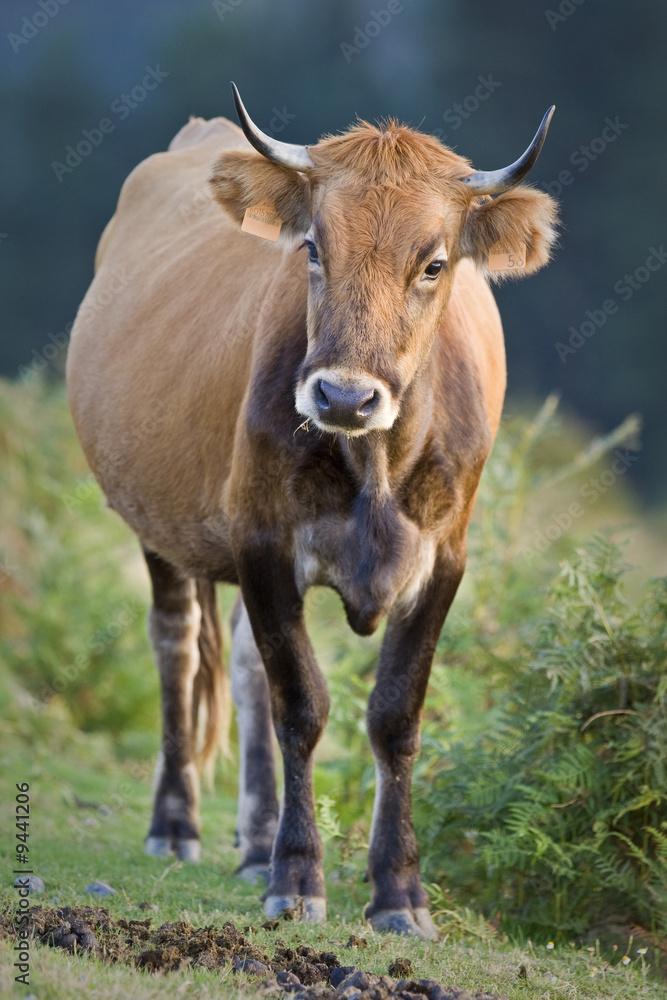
(162,345)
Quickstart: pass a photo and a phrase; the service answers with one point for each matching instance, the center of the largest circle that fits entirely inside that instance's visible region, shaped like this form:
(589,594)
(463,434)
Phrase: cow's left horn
(286,154)
(496,181)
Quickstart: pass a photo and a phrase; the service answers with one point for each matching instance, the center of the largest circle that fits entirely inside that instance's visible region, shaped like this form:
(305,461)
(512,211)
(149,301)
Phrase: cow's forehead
(387,153)
(388,220)
(387,185)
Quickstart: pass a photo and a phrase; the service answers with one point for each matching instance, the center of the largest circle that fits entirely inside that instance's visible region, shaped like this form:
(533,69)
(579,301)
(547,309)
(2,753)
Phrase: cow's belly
(196,547)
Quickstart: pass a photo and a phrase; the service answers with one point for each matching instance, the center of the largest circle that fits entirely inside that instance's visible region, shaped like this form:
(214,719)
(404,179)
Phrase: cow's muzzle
(350,404)
(349,408)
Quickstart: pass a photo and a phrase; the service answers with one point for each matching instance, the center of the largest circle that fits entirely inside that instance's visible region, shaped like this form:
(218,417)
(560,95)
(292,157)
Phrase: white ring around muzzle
(384,409)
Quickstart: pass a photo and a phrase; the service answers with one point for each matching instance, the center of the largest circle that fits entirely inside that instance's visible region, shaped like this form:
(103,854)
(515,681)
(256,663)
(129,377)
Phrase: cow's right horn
(497,181)
(286,154)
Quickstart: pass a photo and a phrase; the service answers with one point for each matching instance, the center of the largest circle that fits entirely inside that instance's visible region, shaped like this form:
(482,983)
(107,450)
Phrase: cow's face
(381,218)
(380,264)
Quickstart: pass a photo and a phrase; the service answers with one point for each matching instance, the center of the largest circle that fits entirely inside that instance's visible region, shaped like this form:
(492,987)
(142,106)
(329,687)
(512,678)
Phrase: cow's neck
(381,460)
(380,543)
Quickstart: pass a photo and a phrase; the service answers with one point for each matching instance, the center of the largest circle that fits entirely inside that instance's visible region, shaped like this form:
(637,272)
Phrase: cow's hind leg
(174,626)
(257,819)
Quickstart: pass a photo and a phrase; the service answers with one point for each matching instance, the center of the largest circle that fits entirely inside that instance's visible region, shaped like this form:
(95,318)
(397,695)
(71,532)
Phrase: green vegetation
(72,621)
(555,819)
(540,794)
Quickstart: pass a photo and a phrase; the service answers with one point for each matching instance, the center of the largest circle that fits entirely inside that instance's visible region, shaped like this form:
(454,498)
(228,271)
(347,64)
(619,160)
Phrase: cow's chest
(372,542)
(375,562)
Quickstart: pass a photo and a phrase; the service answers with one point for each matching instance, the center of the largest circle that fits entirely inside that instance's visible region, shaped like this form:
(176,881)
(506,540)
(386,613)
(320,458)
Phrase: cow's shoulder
(471,348)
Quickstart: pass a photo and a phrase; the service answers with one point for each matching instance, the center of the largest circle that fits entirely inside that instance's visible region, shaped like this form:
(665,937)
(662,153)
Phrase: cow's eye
(433,269)
(312,252)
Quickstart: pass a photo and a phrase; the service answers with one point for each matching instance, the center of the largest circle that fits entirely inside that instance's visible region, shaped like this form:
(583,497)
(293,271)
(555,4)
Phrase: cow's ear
(521,217)
(242,181)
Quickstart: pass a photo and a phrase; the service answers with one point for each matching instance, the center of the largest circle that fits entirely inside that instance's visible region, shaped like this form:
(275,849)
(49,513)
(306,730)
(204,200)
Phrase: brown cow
(278,420)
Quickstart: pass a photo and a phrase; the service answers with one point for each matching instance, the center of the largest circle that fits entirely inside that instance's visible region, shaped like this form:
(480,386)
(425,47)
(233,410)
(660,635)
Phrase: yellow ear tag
(504,258)
(261,220)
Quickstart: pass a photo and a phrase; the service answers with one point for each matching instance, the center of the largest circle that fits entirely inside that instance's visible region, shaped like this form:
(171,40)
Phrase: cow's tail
(211,703)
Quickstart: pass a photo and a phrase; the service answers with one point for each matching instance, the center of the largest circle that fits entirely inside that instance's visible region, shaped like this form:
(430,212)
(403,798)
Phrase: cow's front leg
(398,900)
(299,705)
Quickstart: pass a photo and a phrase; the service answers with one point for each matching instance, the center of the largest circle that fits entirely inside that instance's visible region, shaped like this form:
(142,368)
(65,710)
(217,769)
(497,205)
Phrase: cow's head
(382,216)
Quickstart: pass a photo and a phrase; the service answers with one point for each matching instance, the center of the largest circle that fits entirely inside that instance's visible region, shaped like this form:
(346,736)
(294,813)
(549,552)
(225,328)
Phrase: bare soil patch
(304,972)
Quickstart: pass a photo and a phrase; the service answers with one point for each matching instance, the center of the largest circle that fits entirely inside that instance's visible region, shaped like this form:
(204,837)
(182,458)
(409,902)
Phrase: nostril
(369,404)
(345,405)
(321,398)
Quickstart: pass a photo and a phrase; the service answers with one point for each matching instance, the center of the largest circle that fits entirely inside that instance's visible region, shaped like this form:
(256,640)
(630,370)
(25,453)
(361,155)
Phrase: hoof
(414,923)
(253,873)
(309,909)
(184,849)
(188,850)
(159,847)
(425,923)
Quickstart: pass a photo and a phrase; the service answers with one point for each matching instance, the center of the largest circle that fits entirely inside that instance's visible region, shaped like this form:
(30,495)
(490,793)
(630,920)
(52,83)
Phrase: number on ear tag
(504,258)
(261,220)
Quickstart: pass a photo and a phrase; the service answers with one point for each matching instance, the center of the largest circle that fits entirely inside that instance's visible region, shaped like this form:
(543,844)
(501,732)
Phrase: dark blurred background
(479,75)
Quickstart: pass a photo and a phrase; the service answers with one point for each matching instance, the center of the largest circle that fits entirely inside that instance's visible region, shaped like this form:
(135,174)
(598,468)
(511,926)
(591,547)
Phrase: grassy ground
(72,845)
(73,598)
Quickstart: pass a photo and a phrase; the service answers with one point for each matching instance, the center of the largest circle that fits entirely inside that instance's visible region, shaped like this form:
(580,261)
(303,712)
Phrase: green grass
(71,846)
